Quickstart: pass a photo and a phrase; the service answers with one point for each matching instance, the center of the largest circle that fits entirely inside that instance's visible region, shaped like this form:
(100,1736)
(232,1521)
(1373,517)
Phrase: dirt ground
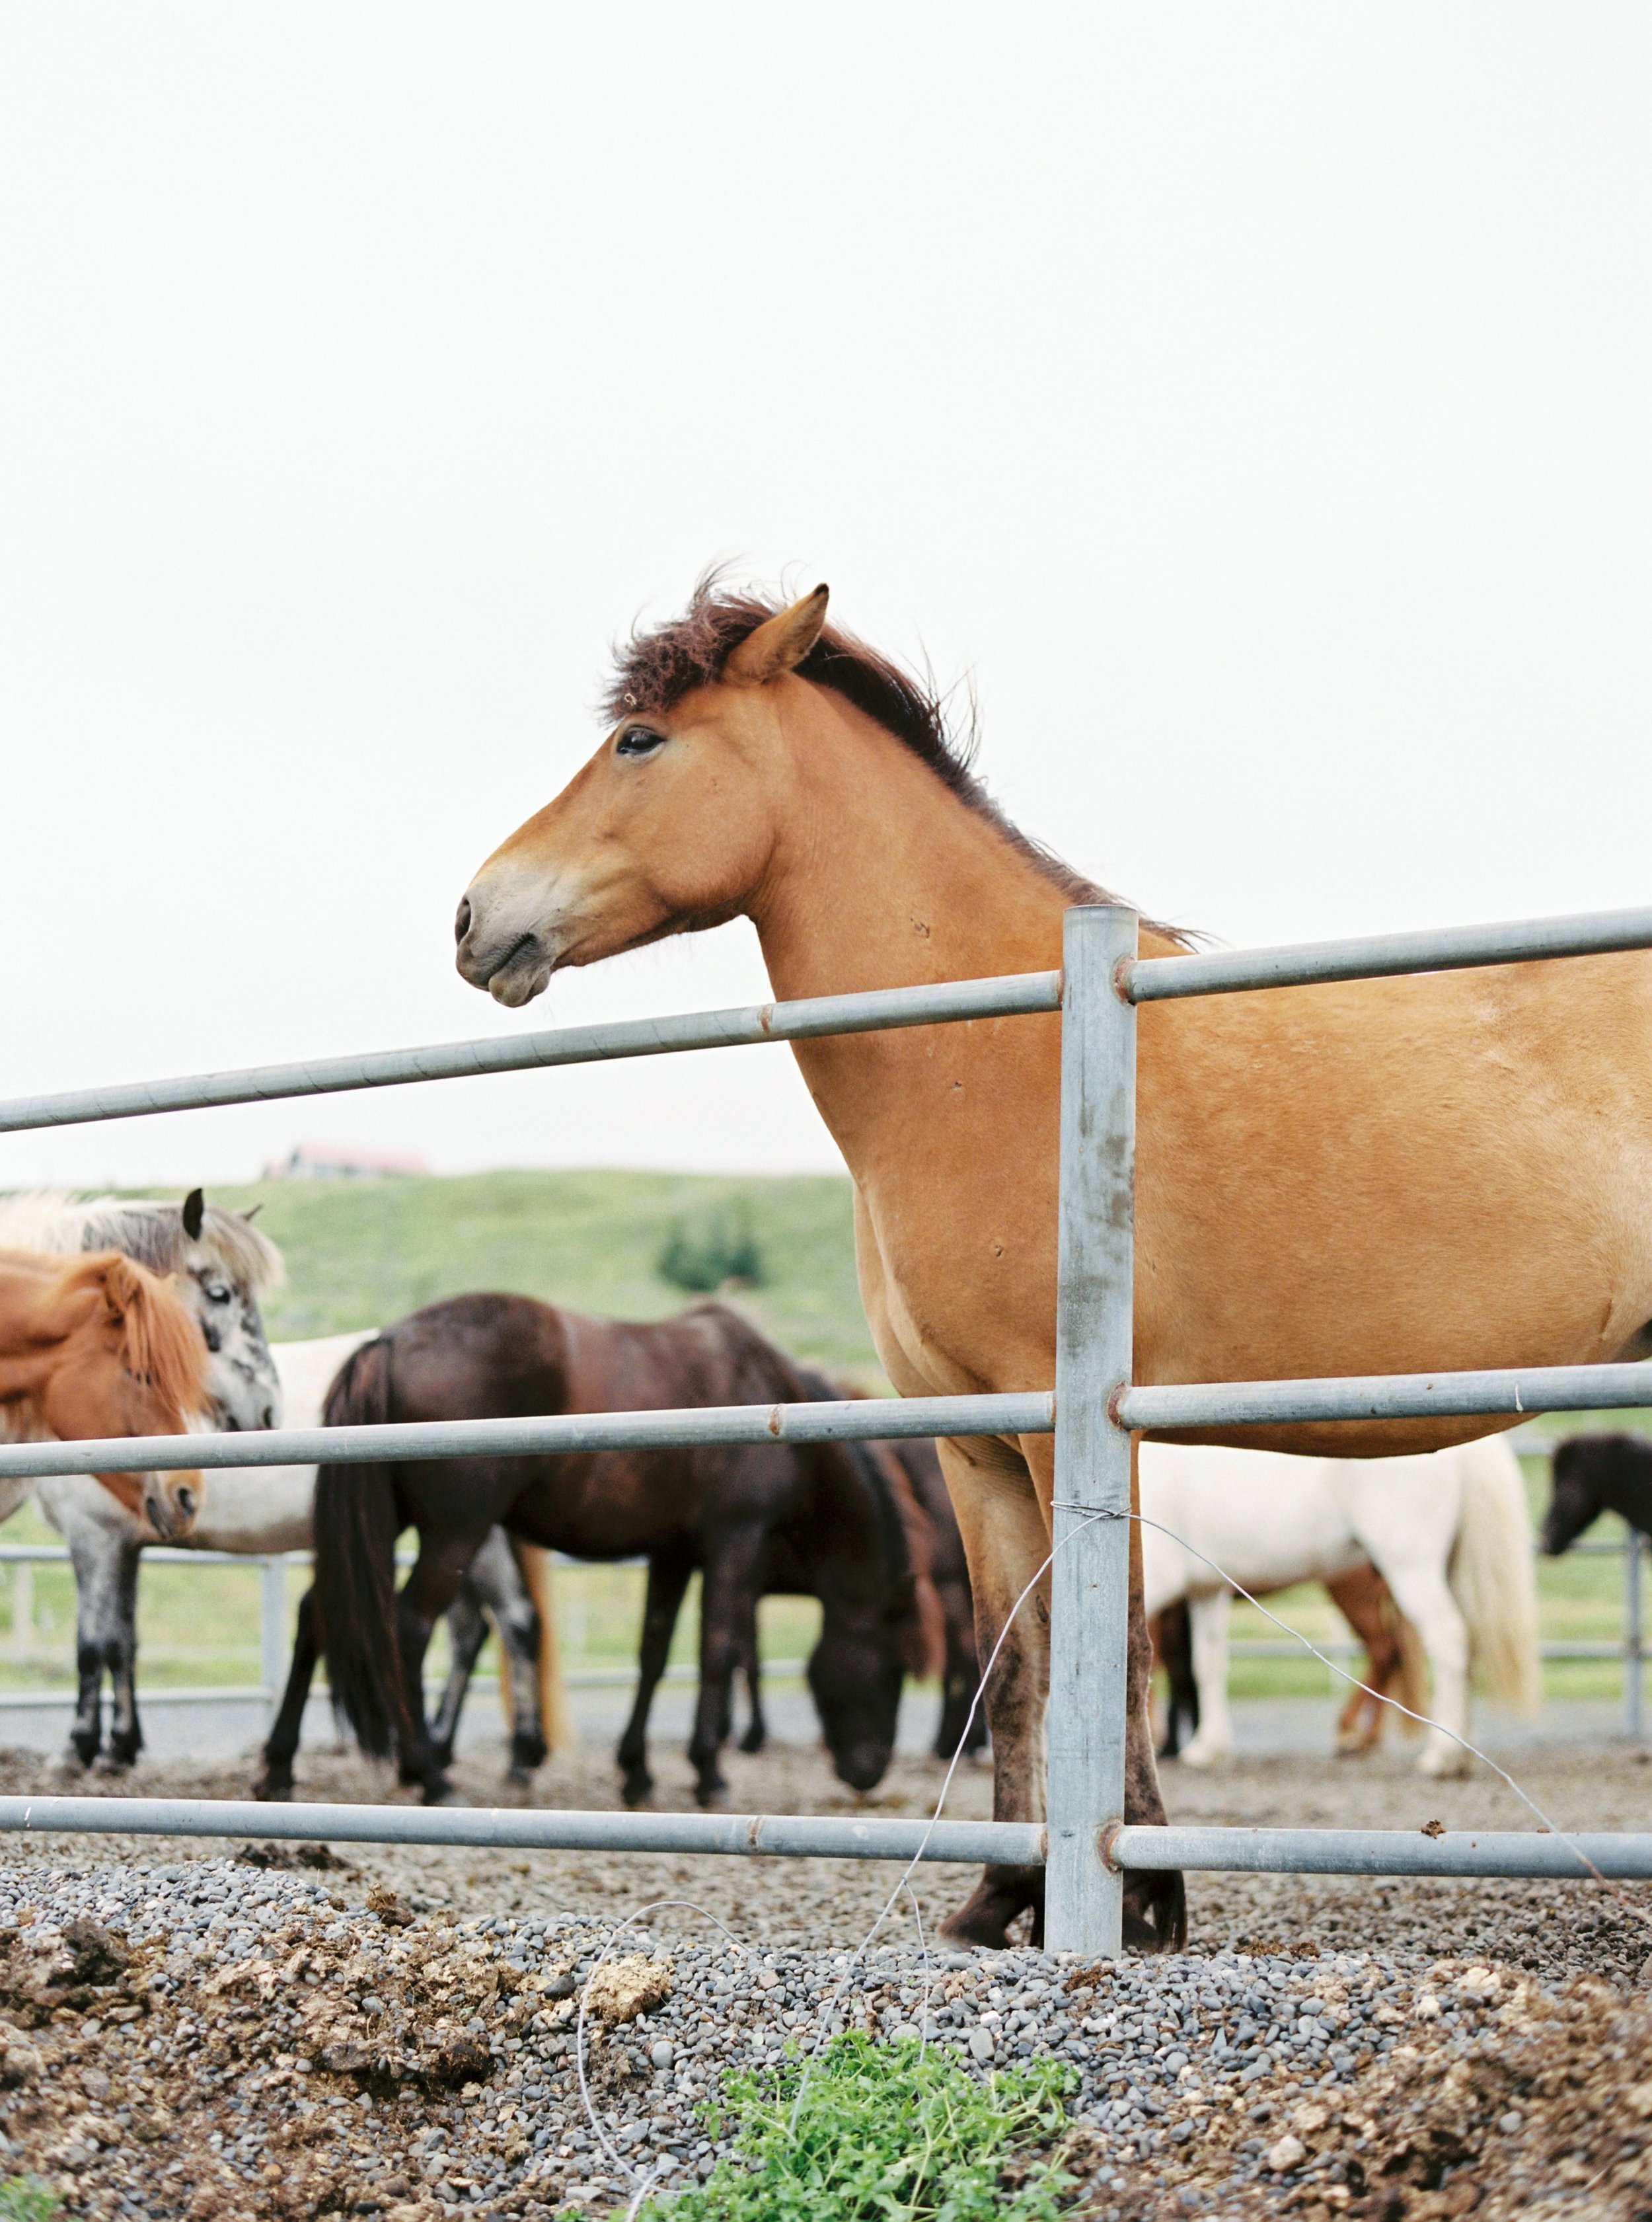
(1547,1928)
(1560,2046)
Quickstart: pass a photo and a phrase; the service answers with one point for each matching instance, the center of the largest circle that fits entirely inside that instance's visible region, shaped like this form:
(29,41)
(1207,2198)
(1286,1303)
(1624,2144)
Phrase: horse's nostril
(269,1416)
(462,919)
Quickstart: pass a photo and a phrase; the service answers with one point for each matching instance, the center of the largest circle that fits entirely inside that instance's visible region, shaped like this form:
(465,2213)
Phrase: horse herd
(1428,1558)
(1437,1173)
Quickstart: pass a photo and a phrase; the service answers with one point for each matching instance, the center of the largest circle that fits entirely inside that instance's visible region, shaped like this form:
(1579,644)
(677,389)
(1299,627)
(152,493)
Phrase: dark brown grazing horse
(913,1469)
(710,1508)
(852,1527)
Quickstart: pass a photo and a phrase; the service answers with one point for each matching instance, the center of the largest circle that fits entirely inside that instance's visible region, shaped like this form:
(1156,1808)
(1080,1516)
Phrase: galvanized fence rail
(1085,1845)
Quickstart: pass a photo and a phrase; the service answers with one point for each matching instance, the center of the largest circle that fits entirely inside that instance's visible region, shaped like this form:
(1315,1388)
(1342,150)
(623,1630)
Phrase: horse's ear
(194,1213)
(781,643)
(123,1282)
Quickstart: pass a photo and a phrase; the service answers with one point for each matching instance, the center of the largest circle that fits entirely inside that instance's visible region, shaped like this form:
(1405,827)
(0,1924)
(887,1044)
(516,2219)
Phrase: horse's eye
(215,1292)
(639,741)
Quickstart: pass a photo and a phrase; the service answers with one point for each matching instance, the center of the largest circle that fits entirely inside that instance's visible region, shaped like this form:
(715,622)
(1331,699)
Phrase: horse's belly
(1263,1520)
(266,1509)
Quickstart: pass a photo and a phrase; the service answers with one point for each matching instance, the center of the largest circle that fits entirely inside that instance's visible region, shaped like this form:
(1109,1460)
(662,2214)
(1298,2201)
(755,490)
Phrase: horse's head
(1594,1474)
(128,1361)
(671,827)
(855,1674)
(220,1269)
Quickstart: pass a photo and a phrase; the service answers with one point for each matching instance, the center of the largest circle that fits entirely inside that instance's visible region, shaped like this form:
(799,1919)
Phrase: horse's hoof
(438,1791)
(710,1794)
(273,1793)
(1156,1912)
(519,1777)
(753,1740)
(1002,1894)
(112,1762)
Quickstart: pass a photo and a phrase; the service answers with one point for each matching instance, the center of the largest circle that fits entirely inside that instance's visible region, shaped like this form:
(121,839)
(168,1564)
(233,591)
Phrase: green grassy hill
(362,1253)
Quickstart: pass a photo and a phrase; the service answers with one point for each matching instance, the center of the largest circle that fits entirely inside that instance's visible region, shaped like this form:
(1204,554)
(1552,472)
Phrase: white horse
(1448,1532)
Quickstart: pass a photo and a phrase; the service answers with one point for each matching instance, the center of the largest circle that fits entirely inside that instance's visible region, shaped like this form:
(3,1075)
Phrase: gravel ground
(390,2030)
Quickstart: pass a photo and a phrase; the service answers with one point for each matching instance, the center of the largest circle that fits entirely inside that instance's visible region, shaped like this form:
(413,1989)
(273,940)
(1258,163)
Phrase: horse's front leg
(728,1637)
(996,1496)
(668,1578)
(467,1633)
(275,1776)
(1209,1618)
(125,1730)
(95,1555)
(496,1578)
(756,1734)
(428,1591)
(1005,1543)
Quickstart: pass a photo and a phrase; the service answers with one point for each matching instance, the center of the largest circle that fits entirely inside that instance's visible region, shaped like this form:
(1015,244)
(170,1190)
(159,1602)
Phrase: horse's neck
(839,1534)
(882,877)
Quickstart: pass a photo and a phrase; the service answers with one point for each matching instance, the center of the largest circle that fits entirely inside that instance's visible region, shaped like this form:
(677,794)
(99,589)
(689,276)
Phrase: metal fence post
(1632,1695)
(1090,1580)
(272,1631)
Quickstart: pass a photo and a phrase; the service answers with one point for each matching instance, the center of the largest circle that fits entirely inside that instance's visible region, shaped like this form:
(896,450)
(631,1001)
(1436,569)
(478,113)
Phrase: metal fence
(271,1569)
(1083,1843)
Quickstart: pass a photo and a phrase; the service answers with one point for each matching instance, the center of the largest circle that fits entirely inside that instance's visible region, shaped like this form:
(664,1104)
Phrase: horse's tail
(356,1526)
(556,1721)
(1491,1573)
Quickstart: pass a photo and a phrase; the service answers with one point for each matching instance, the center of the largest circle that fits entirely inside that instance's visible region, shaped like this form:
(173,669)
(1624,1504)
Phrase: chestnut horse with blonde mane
(94,1346)
(1388,1175)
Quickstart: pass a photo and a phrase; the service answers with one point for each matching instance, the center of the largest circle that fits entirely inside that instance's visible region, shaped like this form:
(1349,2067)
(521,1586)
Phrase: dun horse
(1388,1175)
(95,1346)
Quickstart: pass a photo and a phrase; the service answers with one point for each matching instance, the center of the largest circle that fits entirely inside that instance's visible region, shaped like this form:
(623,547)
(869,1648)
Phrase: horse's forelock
(654,669)
(160,1343)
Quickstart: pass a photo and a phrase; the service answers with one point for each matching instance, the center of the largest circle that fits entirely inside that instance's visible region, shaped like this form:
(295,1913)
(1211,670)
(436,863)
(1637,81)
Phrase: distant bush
(704,1259)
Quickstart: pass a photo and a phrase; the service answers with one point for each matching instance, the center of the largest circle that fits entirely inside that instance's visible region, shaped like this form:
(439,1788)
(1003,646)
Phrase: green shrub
(723,1251)
(882,2135)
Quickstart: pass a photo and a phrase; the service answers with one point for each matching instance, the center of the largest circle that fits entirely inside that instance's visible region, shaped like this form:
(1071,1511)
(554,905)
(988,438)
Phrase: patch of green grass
(881,2134)
(26,2199)
(362,1253)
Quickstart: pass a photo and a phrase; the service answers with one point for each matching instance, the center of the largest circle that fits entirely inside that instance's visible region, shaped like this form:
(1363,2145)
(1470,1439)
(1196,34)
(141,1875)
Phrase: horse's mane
(152,1232)
(903,1528)
(160,1341)
(653,670)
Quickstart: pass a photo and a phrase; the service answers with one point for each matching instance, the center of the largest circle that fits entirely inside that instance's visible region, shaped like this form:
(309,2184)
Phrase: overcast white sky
(1255,399)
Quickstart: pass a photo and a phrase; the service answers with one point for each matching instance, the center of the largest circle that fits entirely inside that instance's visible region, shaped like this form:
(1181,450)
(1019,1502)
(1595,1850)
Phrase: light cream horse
(1448,1532)
(1390,1175)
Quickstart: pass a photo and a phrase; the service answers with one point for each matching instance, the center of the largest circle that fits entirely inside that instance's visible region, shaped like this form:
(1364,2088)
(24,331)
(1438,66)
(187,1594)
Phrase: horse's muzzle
(171,1503)
(863,1765)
